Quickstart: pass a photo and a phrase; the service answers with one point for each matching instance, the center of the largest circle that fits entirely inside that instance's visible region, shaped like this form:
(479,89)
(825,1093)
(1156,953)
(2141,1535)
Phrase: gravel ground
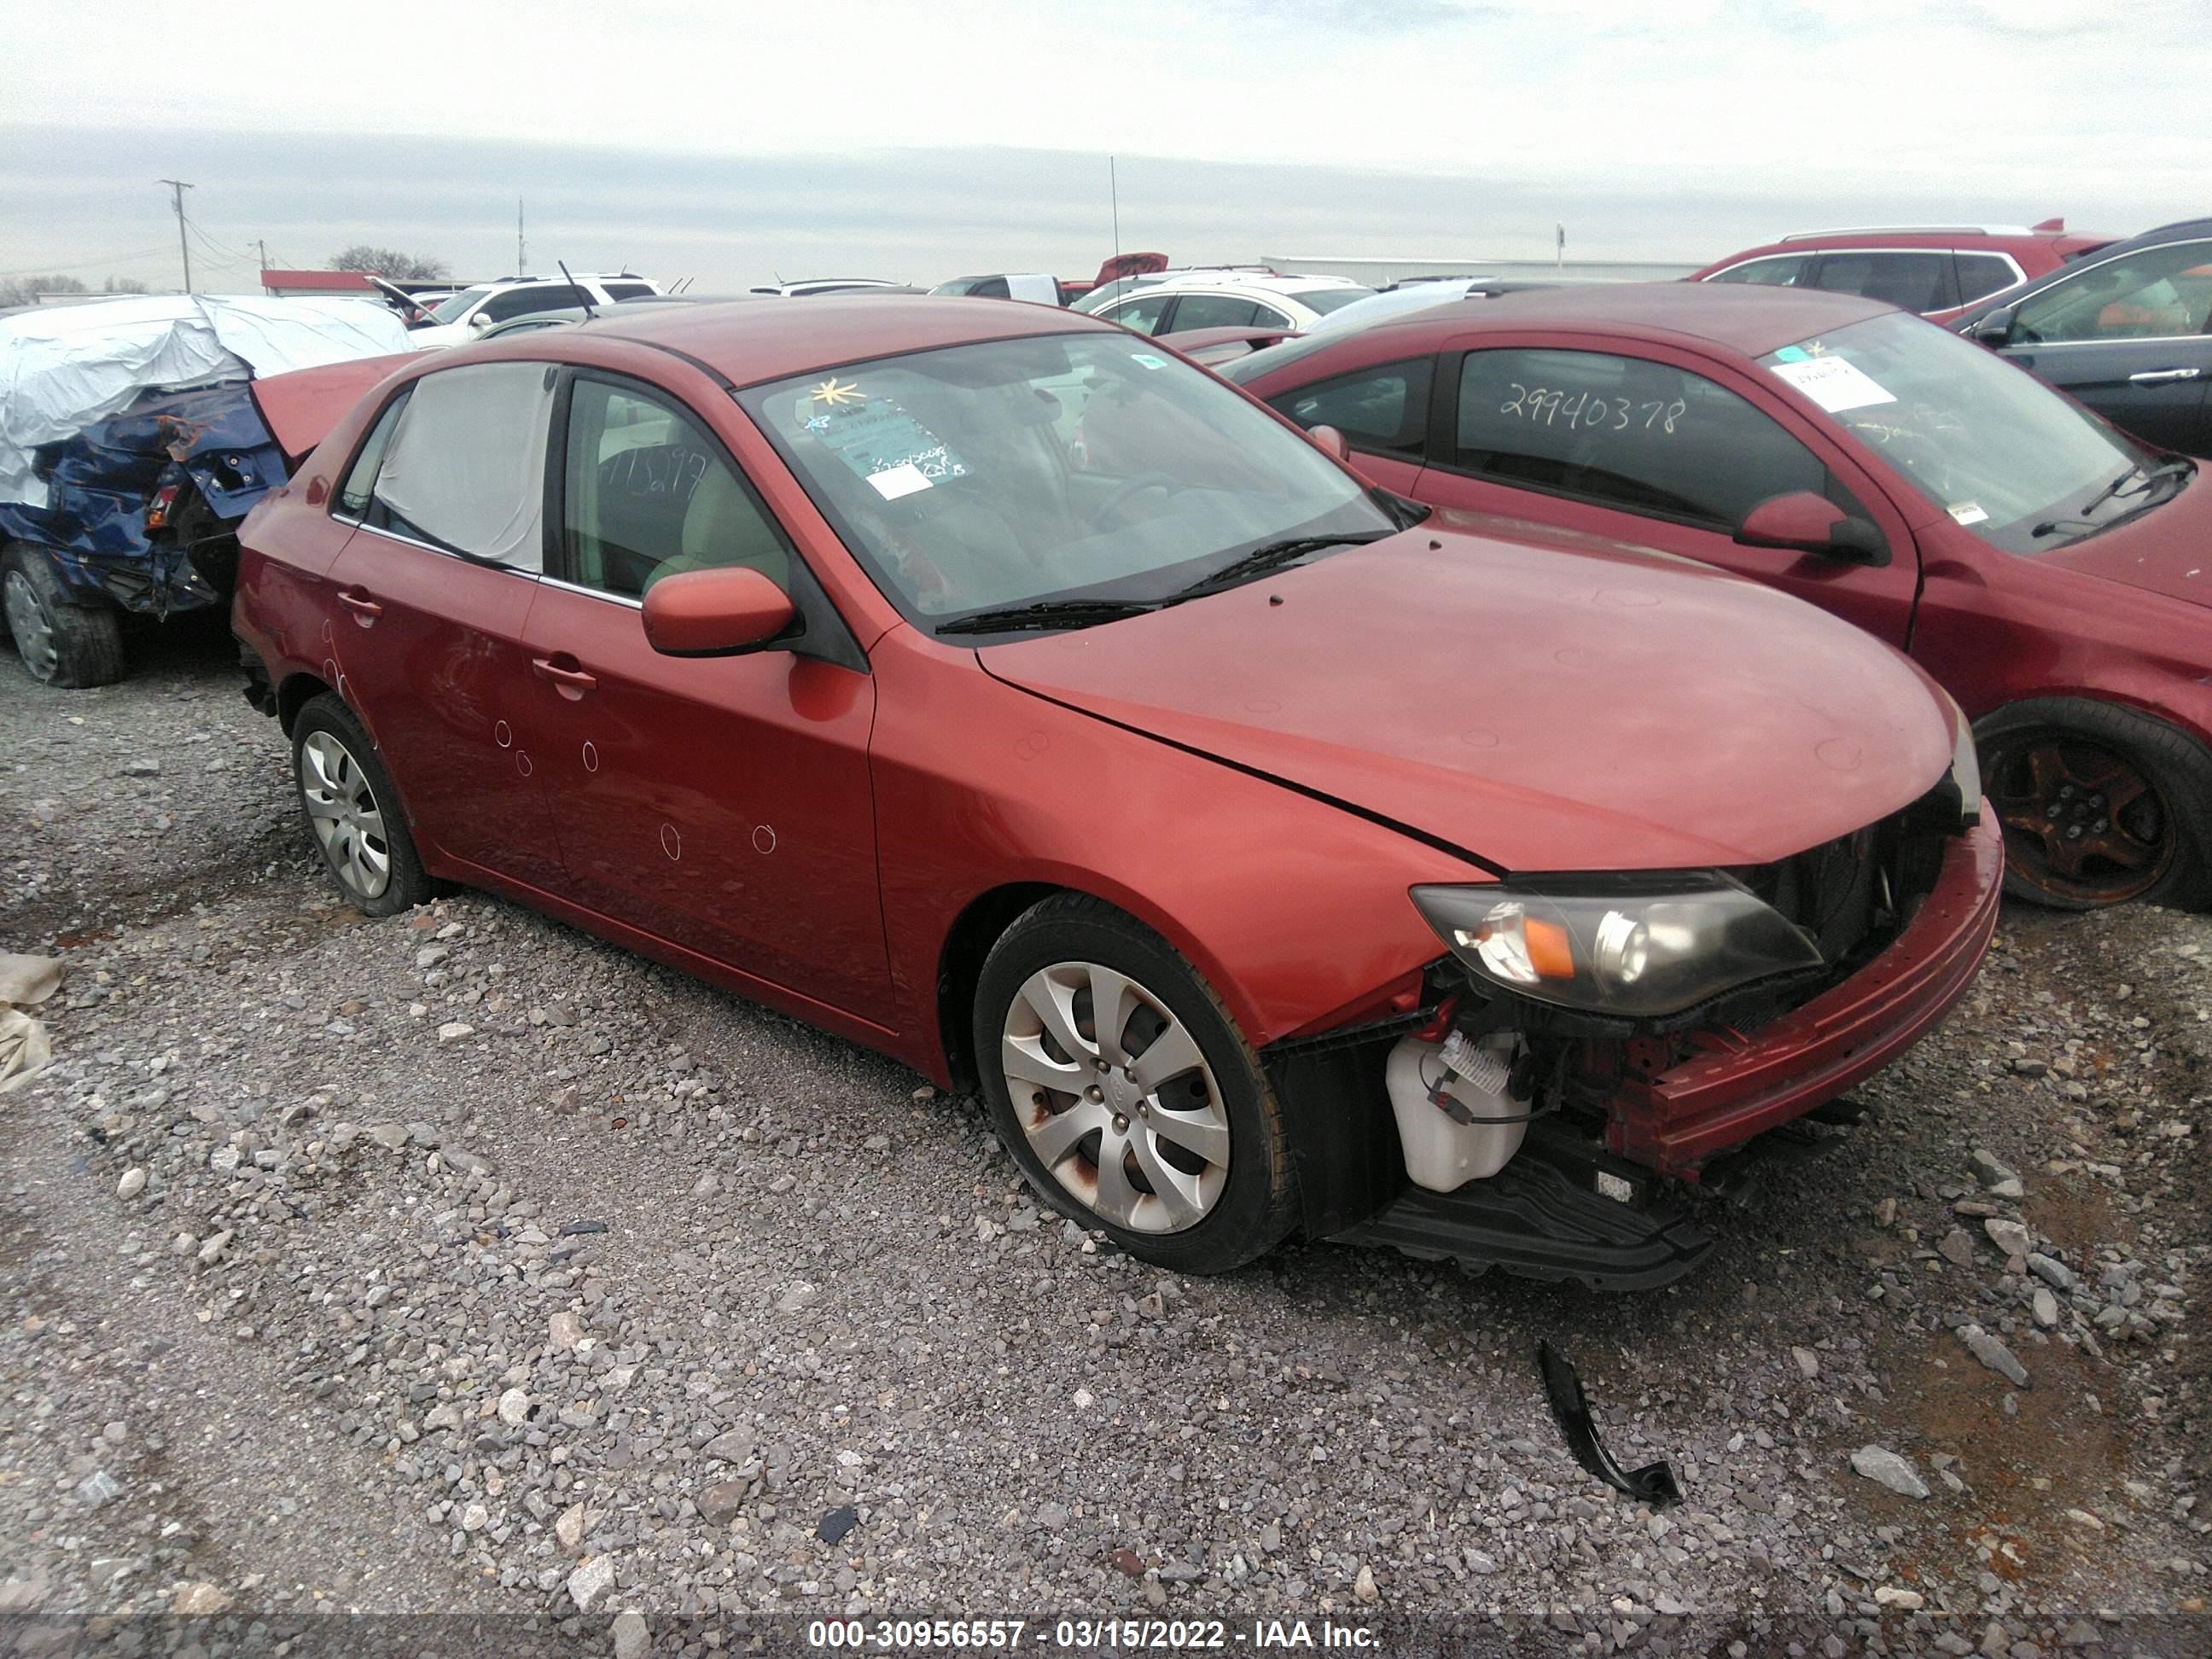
(458,1263)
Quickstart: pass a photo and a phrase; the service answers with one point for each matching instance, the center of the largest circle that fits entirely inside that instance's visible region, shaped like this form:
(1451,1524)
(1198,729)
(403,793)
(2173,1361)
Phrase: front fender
(1292,909)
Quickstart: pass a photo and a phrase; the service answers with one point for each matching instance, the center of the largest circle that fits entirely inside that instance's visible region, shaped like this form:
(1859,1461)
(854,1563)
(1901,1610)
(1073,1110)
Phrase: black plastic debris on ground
(1653,1484)
(836,1525)
(576,1227)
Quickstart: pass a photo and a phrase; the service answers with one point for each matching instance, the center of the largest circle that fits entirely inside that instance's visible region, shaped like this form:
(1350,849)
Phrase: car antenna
(589,313)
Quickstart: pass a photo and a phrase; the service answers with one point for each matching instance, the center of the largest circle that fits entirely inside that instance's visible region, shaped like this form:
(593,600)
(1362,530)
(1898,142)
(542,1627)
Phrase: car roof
(1258,282)
(1750,319)
(1962,239)
(750,344)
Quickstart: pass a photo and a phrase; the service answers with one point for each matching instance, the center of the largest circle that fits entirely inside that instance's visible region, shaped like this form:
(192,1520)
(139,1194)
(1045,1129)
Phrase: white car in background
(1034,286)
(467,314)
(1231,300)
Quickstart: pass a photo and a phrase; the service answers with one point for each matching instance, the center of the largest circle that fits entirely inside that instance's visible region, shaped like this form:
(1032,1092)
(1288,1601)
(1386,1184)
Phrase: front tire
(61,643)
(2100,804)
(1125,1092)
(352,811)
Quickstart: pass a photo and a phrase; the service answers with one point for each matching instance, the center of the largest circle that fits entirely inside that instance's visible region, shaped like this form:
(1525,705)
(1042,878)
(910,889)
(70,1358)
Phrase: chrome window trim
(445,552)
(566,586)
(2018,275)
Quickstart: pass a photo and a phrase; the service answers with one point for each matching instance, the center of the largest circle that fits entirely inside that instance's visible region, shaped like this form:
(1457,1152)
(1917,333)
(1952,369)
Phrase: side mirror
(1801,522)
(1996,329)
(722,612)
(1331,442)
(480,318)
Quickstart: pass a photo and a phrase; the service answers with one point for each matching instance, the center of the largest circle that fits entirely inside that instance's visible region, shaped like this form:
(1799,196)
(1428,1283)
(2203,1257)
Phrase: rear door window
(1912,282)
(627,290)
(465,469)
(1215,311)
(1627,433)
(1385,408)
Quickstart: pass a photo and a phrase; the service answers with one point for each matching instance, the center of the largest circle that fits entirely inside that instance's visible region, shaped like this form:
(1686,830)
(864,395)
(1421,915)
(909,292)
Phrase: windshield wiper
(1047,613)
(2179,467)
(1270,556)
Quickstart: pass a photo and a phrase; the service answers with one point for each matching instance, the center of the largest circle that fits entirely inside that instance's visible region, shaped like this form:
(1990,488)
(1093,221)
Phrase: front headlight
(1638,946)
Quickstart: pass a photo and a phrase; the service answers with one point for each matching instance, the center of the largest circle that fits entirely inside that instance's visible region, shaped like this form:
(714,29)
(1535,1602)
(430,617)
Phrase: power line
(91,264)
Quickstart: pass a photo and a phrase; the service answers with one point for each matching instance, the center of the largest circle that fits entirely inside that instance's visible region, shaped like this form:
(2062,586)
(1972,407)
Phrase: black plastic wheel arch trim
(1653,1484)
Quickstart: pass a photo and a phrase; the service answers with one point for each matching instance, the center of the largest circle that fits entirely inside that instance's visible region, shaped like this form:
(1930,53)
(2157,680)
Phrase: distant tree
(123,285)
(25,290)
(390,262)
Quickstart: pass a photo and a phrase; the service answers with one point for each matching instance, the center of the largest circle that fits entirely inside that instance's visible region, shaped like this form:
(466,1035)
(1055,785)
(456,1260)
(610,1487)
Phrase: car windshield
(453,310)
(1054,467)
(1326,300)
(1999,451)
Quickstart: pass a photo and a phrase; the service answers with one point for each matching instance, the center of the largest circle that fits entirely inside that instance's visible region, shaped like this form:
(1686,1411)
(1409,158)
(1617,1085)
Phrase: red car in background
(1933,270)
(2050,571)
(1269,856)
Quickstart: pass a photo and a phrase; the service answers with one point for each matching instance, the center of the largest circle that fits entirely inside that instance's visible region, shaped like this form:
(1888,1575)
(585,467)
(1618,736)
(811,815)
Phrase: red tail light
(164,503)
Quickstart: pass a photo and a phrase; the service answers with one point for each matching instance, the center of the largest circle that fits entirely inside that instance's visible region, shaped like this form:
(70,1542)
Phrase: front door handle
(365,610)
(570,682)
(2161,376)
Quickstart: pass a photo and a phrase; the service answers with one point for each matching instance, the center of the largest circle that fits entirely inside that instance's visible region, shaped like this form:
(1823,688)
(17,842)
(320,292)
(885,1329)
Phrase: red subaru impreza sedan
(2054,574)
(1269,857)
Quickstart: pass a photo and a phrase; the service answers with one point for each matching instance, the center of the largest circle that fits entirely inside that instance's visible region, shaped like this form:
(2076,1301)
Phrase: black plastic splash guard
(1653,1484)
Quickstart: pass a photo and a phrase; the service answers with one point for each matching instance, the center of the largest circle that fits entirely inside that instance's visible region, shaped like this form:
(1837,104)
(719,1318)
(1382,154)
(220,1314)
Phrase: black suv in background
(2123,329)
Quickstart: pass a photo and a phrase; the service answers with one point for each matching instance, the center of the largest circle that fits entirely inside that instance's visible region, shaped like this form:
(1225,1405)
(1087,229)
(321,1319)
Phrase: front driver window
(648,494)
(2149,294)
(1385,408)
(1784,271)
(1628,432)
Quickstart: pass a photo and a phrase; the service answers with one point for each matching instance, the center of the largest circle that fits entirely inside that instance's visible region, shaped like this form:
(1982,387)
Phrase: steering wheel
(1123,491)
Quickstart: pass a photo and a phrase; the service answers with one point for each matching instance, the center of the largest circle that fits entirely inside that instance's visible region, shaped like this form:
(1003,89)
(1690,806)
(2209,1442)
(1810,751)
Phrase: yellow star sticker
(835,392)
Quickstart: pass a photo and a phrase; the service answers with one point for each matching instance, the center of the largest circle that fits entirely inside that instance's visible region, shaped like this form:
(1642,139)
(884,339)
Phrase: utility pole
(521,253)
(261,243)
(177,189)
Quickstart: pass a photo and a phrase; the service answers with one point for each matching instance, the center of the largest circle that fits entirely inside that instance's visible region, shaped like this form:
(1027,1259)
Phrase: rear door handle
(2160,376)
(571,682)
(365,610)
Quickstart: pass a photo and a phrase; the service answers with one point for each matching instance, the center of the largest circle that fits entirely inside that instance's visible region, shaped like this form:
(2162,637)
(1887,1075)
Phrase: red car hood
(1540,709)
(2168,550)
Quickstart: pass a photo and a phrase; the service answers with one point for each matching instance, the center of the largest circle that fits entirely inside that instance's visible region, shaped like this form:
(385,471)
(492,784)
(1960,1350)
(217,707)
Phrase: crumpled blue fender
(101,479)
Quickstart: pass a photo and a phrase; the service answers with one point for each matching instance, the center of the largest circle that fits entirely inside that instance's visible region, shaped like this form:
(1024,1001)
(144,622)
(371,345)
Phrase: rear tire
(352,811)
(61,643)
(2100,804)
(1186,1164)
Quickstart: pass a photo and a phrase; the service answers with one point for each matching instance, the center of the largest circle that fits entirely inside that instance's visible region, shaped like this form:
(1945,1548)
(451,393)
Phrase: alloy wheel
(346,817)
(1115,1098)
(2082,824)
(34,634)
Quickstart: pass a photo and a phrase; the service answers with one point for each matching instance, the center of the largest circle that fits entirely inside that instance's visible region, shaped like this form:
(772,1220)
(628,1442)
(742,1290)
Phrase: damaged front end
(141,509)
(1594,1049)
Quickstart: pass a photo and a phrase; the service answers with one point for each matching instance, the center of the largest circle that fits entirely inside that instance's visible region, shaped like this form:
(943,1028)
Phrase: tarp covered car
(134,436)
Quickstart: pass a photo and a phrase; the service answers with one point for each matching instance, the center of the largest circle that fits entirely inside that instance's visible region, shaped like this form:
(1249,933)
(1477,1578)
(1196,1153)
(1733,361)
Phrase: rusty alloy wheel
(2083,826)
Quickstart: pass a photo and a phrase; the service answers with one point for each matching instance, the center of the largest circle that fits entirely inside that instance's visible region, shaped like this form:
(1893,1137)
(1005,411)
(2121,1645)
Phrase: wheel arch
(294,694)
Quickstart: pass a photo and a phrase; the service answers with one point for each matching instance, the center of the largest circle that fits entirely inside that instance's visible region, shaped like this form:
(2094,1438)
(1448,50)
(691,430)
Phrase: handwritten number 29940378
(1548,406)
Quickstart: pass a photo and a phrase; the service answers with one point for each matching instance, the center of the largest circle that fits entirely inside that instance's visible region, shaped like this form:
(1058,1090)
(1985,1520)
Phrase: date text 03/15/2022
(1086,1635)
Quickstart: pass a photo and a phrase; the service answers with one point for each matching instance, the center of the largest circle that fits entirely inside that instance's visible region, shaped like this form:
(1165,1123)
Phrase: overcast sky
(732,141)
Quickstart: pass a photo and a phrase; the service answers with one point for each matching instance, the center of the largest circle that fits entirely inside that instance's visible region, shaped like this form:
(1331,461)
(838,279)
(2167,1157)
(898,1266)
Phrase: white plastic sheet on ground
(23,1048)
(64,367)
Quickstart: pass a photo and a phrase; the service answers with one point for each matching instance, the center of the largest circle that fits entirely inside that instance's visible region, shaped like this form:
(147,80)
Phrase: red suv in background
(1930,269)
